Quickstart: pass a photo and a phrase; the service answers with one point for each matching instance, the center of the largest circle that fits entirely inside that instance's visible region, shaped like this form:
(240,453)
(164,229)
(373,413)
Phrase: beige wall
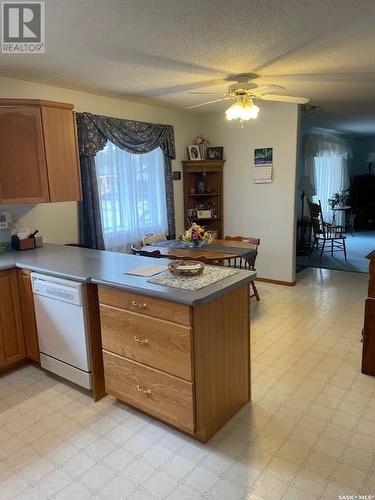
(266,211)
(58,221)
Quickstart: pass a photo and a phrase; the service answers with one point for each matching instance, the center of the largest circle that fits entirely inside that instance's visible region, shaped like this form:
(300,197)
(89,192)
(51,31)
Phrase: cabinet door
(368,353)
(12,346)
(28,315)
(62,155)
(23,171)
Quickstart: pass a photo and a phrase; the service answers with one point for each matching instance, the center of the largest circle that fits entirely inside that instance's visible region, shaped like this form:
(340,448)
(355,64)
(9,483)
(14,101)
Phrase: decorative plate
(186,267)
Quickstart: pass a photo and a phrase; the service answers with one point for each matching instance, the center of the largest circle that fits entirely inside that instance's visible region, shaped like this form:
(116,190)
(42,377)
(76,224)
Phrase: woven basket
(177,267)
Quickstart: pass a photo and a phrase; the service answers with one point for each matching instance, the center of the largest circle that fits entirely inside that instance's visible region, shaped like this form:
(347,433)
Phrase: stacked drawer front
(147,358)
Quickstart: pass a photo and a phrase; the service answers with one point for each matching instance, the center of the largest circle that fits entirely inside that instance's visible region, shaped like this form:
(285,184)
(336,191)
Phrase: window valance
(135,137)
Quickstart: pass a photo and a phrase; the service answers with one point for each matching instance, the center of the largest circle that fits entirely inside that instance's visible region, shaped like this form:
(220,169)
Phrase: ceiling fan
(242,93)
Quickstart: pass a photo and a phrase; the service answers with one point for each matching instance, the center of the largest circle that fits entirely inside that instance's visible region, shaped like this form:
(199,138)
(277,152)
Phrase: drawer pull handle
(146,392)
(140,306)
(141,341)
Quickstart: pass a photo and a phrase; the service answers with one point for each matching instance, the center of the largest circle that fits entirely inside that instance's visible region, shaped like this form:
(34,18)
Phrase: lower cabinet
(12,345)
(28,315)
(186,365)
(152,391)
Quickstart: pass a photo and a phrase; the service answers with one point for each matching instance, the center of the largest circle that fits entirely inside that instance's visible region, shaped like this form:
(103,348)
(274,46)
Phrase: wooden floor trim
(276,282)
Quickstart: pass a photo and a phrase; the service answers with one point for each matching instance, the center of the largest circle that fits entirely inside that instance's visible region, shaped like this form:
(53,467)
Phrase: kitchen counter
(108,268)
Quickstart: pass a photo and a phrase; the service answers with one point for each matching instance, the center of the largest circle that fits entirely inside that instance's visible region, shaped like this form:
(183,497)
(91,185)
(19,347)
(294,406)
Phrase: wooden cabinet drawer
(154,342)
(161,395)
(142,304)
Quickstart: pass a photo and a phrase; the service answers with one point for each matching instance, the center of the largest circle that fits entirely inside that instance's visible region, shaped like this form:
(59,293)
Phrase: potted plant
(196,236)
(339,199)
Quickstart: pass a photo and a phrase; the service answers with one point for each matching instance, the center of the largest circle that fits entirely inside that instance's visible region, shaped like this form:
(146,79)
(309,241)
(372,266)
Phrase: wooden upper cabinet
(12,346)
(39,157)
(23,171)
(62,154)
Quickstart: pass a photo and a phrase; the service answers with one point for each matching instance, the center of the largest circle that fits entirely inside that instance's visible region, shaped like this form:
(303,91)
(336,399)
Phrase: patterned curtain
(135,137)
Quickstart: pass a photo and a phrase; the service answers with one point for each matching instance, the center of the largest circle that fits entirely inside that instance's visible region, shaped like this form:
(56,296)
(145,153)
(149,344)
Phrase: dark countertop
(107,269)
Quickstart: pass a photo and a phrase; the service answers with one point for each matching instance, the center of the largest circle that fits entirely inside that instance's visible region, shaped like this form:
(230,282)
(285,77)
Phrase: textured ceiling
(158,50)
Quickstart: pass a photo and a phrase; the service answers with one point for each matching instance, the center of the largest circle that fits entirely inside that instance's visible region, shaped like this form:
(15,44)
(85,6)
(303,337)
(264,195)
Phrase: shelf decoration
(202,142)
(203,192)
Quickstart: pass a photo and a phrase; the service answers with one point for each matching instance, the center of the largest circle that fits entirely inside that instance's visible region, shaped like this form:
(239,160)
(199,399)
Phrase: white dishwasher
(62,332)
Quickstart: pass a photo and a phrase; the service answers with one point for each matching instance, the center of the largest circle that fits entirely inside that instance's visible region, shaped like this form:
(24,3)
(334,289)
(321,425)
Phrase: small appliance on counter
(24,240)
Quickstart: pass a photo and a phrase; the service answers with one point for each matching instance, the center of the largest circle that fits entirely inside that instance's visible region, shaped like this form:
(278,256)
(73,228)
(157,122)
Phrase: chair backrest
(316,217)
(247,263)
(148,239)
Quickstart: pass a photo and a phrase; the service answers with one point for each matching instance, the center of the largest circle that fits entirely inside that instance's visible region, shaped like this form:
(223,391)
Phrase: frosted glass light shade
(243,110)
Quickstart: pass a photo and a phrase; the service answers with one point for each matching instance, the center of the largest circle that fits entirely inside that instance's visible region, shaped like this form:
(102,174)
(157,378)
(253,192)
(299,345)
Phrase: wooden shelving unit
(212,173)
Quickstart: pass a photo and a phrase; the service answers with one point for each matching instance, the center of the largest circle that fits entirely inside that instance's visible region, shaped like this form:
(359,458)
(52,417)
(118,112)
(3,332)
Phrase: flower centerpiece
(196,236)
(202,142)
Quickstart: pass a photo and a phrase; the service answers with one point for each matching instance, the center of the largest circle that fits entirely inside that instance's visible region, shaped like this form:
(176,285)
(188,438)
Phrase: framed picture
(215,153)
(194,153)
(263,156)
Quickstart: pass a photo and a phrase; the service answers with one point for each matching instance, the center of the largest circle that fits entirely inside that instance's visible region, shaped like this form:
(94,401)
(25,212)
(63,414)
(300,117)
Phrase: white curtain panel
(332,176)
(317,145)
(132,195)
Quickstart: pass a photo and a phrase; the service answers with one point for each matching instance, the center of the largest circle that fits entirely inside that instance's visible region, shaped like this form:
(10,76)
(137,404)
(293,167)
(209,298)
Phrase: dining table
(217,251)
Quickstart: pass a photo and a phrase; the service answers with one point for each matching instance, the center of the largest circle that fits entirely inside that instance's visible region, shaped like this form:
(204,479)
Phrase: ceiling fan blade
(208,102)
(267,89)
(285,98)
(208,93)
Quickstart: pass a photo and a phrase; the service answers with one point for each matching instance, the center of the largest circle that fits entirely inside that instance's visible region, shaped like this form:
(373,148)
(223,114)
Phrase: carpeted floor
(358,246)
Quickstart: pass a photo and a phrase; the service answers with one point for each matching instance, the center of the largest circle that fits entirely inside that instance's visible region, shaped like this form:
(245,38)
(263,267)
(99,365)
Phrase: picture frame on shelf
(194,152)
(215,153)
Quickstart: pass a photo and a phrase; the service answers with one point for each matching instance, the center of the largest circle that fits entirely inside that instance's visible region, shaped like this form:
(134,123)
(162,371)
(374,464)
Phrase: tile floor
(309,433)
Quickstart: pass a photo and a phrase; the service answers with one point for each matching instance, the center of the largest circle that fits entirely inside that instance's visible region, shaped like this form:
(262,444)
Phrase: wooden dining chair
(144,253)
(325,233)
(247,263)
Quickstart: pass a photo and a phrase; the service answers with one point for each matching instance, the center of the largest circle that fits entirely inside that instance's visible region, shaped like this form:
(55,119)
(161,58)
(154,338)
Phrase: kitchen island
(182,356)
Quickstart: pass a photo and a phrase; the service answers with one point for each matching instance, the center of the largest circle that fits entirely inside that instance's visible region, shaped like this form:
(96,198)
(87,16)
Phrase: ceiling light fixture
(242,109)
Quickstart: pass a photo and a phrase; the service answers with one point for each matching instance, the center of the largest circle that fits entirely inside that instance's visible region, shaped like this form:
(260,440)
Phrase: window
(132,195)
(331,173)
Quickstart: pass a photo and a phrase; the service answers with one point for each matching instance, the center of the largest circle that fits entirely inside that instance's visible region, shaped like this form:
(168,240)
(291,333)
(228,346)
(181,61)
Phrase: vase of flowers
(202,142)
(196,236)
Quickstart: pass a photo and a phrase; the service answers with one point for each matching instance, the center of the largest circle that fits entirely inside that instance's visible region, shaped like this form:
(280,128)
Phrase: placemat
(210,275)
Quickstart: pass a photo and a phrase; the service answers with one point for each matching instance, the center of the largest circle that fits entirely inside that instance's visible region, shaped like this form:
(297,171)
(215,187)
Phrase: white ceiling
(158,50)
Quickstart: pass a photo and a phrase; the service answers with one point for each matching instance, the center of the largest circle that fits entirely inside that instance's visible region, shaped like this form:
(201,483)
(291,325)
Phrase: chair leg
(312,248)
(322,250)
(256,294)
(343,242)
